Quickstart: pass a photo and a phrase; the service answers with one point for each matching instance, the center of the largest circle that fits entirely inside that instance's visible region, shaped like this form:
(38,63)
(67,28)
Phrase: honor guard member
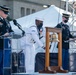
(5,30)
(65,36)
(27,44)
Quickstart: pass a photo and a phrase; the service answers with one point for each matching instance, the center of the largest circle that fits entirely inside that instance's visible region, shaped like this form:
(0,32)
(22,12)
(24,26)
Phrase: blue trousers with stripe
(65,59)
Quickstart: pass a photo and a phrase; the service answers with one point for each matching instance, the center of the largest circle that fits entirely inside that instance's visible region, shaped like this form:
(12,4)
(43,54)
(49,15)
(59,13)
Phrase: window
(33,10)
(22,11)
(27,11)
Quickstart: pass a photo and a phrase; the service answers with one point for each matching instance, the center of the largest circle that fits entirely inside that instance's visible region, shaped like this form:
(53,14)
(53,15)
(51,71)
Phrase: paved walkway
(70,73)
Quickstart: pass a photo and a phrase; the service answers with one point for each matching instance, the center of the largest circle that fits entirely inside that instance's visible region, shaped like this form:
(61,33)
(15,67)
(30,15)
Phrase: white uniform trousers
(29,52)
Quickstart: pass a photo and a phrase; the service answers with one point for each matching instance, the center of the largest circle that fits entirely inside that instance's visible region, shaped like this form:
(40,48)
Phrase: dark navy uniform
(65,34)
(4,28)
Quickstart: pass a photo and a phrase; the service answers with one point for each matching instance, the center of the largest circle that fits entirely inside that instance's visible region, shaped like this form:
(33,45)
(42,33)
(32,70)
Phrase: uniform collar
(64,23)
(1,17)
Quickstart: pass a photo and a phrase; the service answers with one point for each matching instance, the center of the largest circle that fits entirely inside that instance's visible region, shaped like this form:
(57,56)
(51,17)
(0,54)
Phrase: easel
(53,69)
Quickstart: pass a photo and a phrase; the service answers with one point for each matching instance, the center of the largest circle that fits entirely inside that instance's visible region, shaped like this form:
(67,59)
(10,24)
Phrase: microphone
(15,22)
(19,26)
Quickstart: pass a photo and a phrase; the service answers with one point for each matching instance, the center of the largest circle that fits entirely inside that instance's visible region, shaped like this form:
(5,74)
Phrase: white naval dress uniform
(27,44)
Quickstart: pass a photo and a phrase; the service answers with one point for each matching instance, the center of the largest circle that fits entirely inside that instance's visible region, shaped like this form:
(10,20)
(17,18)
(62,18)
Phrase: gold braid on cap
(65,16)
(5,9)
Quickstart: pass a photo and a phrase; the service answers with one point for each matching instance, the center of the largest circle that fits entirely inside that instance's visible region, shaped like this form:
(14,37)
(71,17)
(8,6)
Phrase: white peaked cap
(38,18)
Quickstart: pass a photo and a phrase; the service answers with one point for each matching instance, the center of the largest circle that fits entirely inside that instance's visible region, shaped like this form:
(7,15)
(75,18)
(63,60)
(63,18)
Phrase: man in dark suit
(5,30)
(65,36)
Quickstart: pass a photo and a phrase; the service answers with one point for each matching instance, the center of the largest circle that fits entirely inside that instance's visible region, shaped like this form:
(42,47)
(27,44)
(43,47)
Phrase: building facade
(20,8)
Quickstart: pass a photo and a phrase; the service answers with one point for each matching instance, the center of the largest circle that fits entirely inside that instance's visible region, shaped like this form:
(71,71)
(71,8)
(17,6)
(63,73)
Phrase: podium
(7,56)
(53,69)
